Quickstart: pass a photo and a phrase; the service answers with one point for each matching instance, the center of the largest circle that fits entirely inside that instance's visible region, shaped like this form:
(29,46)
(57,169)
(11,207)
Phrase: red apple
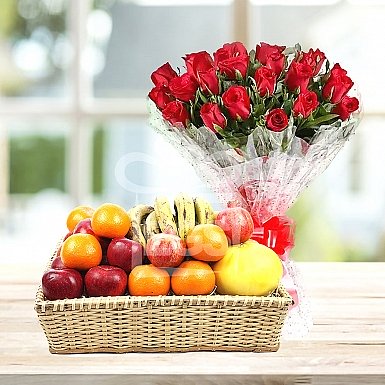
(62,283)
(84,227)
(237,224)
(125,253)
(104,280)
(165,250)
(57,263)
(104,260)
(104,242)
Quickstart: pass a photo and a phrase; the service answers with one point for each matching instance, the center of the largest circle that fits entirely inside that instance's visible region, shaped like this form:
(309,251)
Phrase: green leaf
(238,76)
(258,110)
(220,131)
(321,110)
(327,66)
(287,106)
(252,82)
(201,96)
(227,84)
(192,114)
(217,128)
(252,55)
(321,119)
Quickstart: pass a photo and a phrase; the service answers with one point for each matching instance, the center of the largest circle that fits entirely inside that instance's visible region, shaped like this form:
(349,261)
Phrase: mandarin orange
(207,242)
(193,278)
(78,214)
(110,221)
(81,252)
(148,280)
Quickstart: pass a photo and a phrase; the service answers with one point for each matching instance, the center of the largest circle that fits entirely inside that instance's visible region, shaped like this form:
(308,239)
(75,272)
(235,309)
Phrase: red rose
(315,59)
(346,106)
(305,104)
(211,114)
(271,56)
(198,62)
(265,79)
(200,65)
(160,97)
(232,57)
(163,75)
(338,85)
(277,120)
(237,102)
(183,87)
(176,113)
(264,50)
(298,76)
(208,81)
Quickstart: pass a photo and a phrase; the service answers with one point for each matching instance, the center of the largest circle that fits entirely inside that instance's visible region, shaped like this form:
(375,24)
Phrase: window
(74,76)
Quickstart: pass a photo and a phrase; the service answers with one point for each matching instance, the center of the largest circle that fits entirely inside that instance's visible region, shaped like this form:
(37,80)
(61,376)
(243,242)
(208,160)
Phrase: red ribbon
(278,234)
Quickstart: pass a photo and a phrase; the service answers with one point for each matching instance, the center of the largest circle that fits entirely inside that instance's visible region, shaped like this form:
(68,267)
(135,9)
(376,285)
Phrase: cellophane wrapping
(265,177)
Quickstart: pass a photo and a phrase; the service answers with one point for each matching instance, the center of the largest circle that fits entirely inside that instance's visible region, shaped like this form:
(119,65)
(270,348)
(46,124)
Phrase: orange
(110,221)
(81,252)
(193,278)
(148,280)
(78,214)
(207,242)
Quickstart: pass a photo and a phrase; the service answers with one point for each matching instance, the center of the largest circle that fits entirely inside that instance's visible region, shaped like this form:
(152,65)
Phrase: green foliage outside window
(98,160)
(36,163)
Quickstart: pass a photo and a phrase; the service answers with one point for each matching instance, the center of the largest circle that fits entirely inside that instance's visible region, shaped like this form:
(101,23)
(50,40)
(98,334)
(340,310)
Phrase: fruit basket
(154,291)
(164,323)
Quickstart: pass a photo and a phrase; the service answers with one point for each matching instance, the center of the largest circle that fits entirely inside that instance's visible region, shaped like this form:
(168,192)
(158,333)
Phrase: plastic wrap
(265,177)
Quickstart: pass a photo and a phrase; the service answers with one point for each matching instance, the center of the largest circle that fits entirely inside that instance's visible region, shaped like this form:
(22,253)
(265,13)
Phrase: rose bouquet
(258,127)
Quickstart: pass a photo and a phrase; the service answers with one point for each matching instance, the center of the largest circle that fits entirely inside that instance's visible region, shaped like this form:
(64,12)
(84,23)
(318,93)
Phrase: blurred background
(74,76)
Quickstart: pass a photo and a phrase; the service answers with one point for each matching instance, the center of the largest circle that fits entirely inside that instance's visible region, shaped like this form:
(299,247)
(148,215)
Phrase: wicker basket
(164,323)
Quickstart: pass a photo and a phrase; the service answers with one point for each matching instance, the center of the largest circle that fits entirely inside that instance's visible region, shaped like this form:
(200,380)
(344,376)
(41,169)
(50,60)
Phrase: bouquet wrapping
(258,127)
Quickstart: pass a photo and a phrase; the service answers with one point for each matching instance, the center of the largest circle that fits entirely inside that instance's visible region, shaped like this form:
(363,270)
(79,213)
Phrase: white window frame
(81,107)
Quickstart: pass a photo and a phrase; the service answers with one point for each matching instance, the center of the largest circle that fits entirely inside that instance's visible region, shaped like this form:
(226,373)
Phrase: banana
(138,214)
(204,212)
(185,212)
(165,216)
(151,226)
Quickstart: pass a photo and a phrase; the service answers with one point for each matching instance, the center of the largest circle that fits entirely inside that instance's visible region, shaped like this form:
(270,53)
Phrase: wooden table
(346,344)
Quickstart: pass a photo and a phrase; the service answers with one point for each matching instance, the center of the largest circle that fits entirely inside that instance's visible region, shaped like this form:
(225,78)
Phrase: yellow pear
(248,269)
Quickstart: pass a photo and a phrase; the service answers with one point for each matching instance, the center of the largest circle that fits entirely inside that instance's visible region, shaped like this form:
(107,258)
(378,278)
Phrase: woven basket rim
(279,298)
